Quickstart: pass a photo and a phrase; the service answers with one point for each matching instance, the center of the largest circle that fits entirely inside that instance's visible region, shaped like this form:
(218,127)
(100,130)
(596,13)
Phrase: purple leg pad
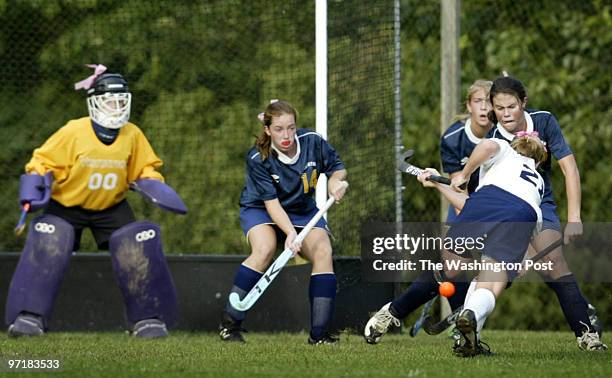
(142,273)
(41,268)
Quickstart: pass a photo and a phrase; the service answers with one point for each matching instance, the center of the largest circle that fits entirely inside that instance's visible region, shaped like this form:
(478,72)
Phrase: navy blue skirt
(503,220)
(252,216)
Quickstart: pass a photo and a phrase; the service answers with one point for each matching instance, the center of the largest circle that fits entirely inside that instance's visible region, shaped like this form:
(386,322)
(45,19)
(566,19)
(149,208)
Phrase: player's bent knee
(323,253)
(142,273)
(556,260)
(556,257)
(263,250)
(41,267)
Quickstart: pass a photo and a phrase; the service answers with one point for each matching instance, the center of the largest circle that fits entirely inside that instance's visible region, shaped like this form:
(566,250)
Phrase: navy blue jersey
(456,146)
(293,184)
(550,133)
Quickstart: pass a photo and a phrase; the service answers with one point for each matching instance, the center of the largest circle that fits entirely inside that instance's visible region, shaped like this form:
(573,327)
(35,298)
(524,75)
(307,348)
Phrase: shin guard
(142,273)
(41,268)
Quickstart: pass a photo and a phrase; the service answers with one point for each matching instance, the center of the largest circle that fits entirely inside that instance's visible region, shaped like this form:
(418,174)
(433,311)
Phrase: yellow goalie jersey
(89,173)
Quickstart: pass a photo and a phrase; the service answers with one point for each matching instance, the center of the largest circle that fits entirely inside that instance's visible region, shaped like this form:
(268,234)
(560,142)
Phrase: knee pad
(142,273)
(41,268)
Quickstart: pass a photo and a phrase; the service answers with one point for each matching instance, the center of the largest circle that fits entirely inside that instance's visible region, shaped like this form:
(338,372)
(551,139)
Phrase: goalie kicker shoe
(590,341)
(379,324)
(26,325)
(468,345)
(230,330)
(150,329)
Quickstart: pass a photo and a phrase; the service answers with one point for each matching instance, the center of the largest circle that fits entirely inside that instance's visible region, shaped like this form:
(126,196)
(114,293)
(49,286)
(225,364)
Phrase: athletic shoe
(454,334)
(468,344)
(595,322)
(379,324)
(590,341)
(150,329)
(26,325)
(327,339)
(230,330)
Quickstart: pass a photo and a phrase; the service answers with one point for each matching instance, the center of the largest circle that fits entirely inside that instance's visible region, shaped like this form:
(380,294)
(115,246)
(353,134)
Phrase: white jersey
(515,174)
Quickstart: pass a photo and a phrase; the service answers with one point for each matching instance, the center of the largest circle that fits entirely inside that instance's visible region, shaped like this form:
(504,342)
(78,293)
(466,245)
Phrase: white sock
(482,302)
(470,291)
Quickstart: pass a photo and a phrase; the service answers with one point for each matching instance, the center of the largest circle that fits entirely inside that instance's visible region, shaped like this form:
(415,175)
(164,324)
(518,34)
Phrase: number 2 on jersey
(531,177)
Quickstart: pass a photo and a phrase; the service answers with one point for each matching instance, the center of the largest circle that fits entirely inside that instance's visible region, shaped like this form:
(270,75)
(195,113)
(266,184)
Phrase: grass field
(518,354)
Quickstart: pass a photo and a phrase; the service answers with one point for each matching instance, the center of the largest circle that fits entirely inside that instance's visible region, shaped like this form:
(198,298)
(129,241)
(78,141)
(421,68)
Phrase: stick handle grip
(302,235)
(440,179)
(444,180)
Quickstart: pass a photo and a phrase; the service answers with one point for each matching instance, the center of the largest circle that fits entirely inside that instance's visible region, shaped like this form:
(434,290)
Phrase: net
(200,72)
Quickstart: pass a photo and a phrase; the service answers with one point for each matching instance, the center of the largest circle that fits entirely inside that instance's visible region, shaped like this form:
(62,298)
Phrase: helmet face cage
(110,110)
(109,101)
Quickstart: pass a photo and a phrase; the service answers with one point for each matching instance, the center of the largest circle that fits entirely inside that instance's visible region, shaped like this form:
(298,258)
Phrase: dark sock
(322,293)
(244,281)
(419,292)
(457,299)
(572,302)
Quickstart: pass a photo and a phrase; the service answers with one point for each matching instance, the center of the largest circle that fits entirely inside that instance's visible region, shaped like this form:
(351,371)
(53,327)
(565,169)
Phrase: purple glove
(35,190)
(160,194)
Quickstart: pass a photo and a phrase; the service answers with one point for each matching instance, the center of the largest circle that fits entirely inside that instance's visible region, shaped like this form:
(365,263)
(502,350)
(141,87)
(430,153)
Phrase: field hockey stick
(425,312)
(252,296)
(554,245)
(424,315)
(406,167)
(433,328)
(22,219)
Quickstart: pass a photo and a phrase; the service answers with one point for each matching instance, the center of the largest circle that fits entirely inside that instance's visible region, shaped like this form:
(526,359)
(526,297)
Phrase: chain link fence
(201,71)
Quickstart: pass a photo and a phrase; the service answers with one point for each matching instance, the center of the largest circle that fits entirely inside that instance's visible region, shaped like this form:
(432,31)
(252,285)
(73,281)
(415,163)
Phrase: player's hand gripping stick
(252,296)
(406,167)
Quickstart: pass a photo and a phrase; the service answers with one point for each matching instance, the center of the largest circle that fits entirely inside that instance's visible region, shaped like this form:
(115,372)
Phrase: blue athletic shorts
(252,216)
(505,219)
(550,219)
(452,215)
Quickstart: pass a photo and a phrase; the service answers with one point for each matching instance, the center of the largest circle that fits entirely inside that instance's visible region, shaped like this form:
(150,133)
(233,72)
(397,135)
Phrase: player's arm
(457,199)
(335,185)
(144,163)
(561,151)
(452,176)
(144,178)
(484,151)
(574,197)
(281,219)
(334,169)
(48,162)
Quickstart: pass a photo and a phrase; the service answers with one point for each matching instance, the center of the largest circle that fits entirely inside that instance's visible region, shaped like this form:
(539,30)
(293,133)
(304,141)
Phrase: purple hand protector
(35,190)
(160,194)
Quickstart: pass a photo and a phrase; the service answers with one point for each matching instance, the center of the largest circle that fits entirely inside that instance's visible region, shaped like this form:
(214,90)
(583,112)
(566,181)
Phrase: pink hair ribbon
(527,134)
(88,82)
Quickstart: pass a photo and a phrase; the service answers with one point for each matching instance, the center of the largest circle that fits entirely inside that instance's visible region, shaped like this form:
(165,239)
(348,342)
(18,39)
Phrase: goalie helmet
(109,100)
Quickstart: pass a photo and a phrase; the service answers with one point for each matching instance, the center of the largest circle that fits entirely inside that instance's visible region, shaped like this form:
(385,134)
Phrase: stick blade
(235,302)
(432,327)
